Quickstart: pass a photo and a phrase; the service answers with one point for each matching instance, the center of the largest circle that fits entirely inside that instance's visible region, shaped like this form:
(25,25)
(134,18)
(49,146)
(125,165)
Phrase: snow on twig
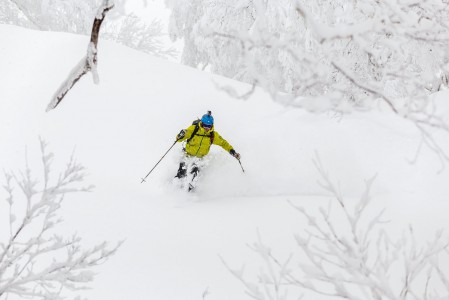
(34,261)
(346,253)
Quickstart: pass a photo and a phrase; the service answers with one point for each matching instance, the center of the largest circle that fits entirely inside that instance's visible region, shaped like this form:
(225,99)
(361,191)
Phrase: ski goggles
(205,126)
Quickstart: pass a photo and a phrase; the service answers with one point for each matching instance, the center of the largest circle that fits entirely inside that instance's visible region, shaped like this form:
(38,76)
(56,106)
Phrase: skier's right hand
(180,135)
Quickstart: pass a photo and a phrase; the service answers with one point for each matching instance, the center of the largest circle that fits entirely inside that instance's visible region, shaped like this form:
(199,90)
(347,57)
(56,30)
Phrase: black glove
(181,134)
(235,154)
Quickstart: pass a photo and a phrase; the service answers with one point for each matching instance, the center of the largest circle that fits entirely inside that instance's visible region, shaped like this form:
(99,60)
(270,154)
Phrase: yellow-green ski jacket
(199,144)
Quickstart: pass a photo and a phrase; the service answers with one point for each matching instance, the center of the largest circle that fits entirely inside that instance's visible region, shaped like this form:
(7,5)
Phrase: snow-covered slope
(121,128)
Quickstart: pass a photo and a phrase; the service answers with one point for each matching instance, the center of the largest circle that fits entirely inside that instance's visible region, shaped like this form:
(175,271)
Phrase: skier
(199,137)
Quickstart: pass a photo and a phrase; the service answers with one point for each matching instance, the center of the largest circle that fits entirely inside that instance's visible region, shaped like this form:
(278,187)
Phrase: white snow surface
(173,240)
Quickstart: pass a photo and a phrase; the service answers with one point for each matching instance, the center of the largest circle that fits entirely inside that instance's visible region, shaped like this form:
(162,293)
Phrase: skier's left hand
(235,154)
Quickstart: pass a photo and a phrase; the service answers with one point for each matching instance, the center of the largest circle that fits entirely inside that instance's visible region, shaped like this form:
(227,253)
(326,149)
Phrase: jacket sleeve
(188,134)
(218,140)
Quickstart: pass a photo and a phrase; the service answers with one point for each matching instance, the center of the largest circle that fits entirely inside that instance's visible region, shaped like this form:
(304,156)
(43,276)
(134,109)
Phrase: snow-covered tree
(35,261)
(352,52)
(51,15)
(75,16)
(296,43)
(348,253)
(132,32)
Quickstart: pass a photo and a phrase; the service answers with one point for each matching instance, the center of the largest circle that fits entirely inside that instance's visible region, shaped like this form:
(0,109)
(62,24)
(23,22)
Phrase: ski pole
(241,165)
(143,179)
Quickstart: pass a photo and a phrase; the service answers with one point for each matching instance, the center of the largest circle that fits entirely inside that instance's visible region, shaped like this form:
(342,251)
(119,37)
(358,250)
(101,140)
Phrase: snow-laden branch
(326,55)
(347,253)
(34,261)
(88,63)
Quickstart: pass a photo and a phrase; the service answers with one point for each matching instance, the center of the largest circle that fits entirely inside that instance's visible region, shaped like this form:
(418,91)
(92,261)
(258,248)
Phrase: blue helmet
(207,119)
